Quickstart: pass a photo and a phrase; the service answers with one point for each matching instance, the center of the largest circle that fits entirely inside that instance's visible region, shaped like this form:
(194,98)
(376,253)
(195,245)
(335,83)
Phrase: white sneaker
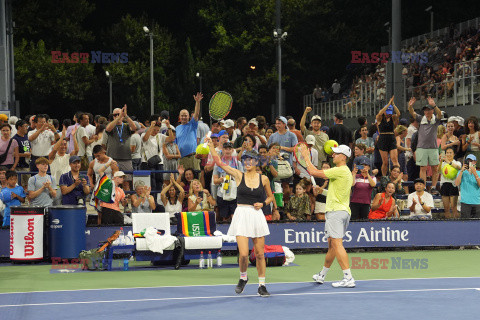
(318,278)
(345,283)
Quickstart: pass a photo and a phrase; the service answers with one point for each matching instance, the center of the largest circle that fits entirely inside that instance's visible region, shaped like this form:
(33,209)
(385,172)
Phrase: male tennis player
(337,212)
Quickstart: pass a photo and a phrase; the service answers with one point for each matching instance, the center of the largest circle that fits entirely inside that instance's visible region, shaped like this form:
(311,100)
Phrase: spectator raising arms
(387,144)
(172,196)
(186,137)
(118,141)
(427,148)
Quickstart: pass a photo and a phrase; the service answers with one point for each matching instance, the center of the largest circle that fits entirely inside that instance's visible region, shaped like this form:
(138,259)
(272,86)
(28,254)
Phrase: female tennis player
(248,220)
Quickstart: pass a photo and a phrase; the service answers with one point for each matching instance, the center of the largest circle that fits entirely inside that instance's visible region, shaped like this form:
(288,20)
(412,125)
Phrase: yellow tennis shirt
(339,189)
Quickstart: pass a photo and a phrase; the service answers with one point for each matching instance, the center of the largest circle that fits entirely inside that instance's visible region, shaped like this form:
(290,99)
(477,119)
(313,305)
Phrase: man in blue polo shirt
(74,187)
(186,136)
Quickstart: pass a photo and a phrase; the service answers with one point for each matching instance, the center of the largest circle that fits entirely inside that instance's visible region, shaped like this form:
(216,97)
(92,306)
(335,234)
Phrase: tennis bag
(274,256)
(92,259)
(284,170)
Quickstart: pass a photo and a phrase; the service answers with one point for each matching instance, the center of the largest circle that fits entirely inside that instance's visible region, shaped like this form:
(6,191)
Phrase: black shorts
(110,216)
(448,190)
(226,209)
(386,142)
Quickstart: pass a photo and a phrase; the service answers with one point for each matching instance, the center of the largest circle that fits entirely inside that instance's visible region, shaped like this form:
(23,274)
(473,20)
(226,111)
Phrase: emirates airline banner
(376,234)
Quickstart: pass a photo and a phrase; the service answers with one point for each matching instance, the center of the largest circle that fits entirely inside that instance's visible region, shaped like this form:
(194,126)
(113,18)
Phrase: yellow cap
(3,117)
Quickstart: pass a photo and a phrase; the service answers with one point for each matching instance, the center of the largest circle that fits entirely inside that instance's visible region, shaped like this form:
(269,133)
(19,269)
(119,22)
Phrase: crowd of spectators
(391,159)
(431,72)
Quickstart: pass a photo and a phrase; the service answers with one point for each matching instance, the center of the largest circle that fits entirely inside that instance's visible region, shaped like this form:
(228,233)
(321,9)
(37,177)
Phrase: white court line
(234,297)
(224,284)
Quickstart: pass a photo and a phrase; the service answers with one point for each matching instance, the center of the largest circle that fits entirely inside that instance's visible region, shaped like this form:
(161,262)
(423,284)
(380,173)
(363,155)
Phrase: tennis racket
(297,152)
(220,105)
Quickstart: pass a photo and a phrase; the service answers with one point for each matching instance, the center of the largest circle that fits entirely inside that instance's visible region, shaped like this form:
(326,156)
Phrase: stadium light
(430,9)
(199,77)
(110,89)
(150,34)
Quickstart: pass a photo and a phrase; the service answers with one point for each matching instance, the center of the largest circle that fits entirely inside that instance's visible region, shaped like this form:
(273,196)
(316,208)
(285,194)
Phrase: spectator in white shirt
(41,139)
(420,202)
(152,152)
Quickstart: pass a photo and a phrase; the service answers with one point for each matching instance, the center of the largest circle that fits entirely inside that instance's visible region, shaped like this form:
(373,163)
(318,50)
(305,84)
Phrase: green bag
(92,260)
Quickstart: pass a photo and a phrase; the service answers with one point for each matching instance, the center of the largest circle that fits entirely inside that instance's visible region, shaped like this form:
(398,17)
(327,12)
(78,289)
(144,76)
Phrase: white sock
(324,271)
(243,276)
(261,281)
(347,274)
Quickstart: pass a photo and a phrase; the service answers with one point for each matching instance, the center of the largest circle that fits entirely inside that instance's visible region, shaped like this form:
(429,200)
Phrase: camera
(200,194)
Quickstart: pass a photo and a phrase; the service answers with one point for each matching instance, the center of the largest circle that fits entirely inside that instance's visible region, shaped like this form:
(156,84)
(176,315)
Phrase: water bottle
(201,261)
(219,258)
(121,238)
(209,260)
(125,264)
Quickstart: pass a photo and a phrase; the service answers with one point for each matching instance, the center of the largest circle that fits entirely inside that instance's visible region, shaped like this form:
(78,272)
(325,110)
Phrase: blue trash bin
(66,231)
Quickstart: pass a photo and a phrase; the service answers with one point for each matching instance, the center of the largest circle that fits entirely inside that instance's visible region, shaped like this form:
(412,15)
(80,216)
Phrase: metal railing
(463,88)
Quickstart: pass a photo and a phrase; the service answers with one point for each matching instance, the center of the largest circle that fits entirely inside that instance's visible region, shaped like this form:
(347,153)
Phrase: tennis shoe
(262,291)
(345,283)
(318,278)
(240,286)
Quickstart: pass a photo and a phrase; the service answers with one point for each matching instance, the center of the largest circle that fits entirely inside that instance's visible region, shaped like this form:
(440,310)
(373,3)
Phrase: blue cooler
(66,231)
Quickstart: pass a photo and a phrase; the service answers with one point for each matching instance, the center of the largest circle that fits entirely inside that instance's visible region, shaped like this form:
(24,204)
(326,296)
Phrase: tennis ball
(329,145)
(202,150)
(449,172)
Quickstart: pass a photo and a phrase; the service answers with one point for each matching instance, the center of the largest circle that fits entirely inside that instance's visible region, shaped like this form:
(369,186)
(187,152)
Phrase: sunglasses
(116,114)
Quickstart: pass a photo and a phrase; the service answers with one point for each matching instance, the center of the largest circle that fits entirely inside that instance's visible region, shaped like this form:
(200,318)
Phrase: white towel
(225,238)
(289,256)
(156,242)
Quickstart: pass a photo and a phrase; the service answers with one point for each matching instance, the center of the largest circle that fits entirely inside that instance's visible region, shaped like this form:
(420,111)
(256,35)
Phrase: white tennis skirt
(248,222)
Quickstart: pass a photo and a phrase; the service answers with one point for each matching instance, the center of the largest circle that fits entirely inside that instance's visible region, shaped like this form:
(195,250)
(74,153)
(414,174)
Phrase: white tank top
(59,166)
(97,165)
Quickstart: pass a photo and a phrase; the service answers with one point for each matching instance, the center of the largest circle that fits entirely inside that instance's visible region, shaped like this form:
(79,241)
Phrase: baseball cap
(164,114)
(316,117)
(362,160)
(310,139)
(444,116)
(119,174)
(227,144)
(253,121)
(343,149)
(228,123)
(324,128)
(339,116)
(3,117)
(471,157)
(222,132)
(214,135)
(252,154)
(282,118)
(419,180)
(389,110)
(428,107)
(73,159)
(404,122)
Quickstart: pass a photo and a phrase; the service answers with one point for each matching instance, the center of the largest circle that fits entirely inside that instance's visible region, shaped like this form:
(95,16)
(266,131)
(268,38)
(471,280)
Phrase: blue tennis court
(433,298)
